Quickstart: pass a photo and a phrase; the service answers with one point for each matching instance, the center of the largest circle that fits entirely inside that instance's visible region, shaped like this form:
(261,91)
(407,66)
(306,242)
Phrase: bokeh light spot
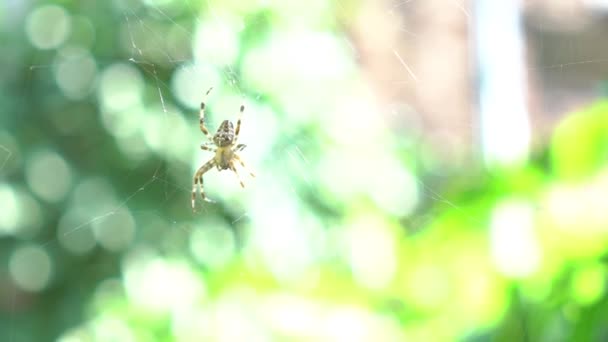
(30,215)
(109,328)
(235,317)
(216,42)
(589,284)
(95,196)
(371,252)
(48,26)
(121,87)
(116,230)
(75,72)
(514,244)
(73,233)
(160,285)
(392,187)
(31,268)
(10,210)
(213,245)
(429,285)
(295,241)
(297,68)
(190,82)
(48,175)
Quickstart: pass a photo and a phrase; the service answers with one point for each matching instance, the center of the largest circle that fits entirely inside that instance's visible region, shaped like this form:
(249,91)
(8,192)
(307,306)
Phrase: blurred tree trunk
(416,54)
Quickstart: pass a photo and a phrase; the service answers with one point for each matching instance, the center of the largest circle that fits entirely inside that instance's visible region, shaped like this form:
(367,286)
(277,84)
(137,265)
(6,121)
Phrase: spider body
(224,144)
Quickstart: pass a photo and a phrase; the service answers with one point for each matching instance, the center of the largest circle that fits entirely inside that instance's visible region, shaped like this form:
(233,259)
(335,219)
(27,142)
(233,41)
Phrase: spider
(223,143)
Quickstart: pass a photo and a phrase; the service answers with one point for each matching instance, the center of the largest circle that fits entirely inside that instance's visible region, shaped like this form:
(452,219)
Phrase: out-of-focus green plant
(342,236)
(580,143)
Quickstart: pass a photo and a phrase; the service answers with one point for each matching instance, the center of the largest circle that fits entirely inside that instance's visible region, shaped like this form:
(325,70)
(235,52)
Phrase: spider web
(173,177)
(8,155)
(159,177)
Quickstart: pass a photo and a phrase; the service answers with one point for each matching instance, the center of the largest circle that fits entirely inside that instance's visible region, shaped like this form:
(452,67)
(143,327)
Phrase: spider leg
(238,158)
(198,179)
(237,174)
(207,146)
(238,124)
(239,147)
(202,116)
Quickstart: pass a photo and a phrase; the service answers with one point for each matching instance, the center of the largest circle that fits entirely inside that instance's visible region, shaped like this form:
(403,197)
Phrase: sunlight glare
(371,251)
(158,284)
(515,249)
(216,40)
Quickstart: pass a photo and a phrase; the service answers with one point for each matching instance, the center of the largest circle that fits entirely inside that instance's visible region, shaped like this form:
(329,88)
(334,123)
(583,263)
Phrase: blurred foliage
(346,234)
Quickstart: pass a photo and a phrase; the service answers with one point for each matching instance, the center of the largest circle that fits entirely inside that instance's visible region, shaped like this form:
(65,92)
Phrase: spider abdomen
(223,156)
(225,134)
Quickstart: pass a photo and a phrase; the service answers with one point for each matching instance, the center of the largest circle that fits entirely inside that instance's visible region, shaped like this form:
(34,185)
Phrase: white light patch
(48,175)
(212,245)
(297,67)
(75,72)
(20,213)
(76,335)
(346,325)
(236,320)
(160,285)
(294,316)
(392,186)
(116,231)
(342,172)
(290,243)
(109,328)
(193,323)
(121,87)
(598,5)
(505,126)
(356,121)
(371,252)
(216,41)
(31,268)
(354,324)
(429,285)
(30,215)
(189,84)
(515,249)
(11,210)
(48,26)
(283,246)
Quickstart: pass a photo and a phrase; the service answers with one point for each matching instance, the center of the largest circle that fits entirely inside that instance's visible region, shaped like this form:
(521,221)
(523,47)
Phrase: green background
(352,230)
